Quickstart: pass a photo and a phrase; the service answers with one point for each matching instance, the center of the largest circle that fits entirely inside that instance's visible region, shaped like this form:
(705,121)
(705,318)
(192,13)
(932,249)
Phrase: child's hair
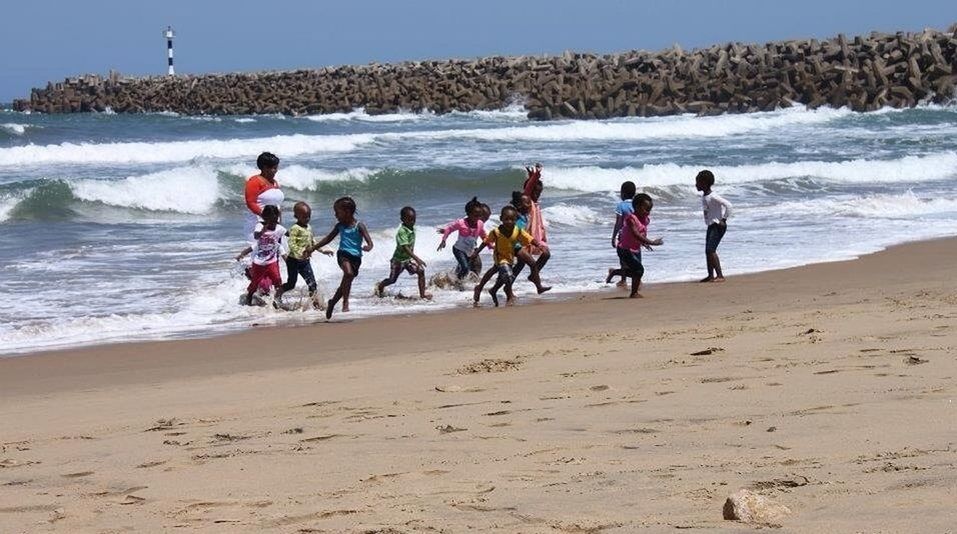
(517,198)
(267,159)
(300,206)
(628,190)
(707,176)
(641,198)
(345,203)
(471,205)
(406,211)
(507,208)
(485,207)
(270,211)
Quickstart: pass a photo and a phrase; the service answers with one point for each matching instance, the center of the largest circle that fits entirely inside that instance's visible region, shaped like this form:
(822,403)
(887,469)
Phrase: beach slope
(828,389)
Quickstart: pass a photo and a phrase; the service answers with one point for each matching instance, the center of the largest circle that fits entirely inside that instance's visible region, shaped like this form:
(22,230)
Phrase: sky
(54,39)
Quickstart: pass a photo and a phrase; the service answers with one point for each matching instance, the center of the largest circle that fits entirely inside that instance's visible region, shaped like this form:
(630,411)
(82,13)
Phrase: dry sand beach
(829,389)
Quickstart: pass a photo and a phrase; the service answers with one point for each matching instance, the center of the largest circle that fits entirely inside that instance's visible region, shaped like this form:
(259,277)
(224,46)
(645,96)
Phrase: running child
(404,258)
(634,235)
(301,246)
(536,223)
(475,262)
(351,234)
(471,229)
(269,238)
(502,240)
(717,211)
(622,209)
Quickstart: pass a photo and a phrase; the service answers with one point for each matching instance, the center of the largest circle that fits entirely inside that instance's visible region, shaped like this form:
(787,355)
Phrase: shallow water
(118,227)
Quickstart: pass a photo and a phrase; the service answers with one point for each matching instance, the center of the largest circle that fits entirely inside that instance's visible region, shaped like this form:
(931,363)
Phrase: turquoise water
(119,227)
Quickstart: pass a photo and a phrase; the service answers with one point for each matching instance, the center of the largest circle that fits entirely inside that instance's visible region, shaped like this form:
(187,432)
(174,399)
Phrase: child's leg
(462,260)
(509,294)
(520,262)
(420,272)
(394,269)
(534,278)
(305,269)
(504,277)
(292,272)
(475,265)
(342,292)
(637,271)
(272,272)
(481,285)
(542,260)
(716,264)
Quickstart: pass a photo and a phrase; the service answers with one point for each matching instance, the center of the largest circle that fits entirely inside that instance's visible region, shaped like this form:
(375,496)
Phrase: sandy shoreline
(570,416)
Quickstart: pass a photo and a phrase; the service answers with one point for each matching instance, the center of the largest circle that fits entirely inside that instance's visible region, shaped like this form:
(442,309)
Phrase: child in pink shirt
(471,231)
(633,236)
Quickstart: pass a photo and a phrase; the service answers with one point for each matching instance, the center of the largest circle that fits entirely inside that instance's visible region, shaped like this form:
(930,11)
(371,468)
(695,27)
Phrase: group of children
(520,240)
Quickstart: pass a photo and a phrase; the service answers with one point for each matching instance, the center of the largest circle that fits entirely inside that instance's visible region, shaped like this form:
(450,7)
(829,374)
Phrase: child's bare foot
(622,283)
(345,308)
(377,291)
(608,280)
(476,294)
(636,295)
(329,306)
(494,297)
(719,279)
(510,301)
(427,296)
(707,279)
(544,289)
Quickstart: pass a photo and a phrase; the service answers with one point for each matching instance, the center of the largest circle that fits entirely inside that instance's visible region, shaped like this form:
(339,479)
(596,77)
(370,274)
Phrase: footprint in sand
(80,474)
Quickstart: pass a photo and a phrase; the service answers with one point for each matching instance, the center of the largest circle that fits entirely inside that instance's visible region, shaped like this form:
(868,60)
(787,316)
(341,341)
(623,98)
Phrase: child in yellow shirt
(503,241)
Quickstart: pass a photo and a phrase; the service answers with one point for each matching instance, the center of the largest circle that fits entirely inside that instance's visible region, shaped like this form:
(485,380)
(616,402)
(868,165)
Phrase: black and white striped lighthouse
(169,48)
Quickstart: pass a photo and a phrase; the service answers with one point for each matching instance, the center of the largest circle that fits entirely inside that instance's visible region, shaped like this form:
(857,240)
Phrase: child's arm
(724,204)
(408,250)
(615,230)
(449,228)
(365,235)
(633,226)
(243,254)
(328,239)
(533,179)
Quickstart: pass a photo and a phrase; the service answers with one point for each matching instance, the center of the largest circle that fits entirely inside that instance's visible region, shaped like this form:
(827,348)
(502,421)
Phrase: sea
(117,227)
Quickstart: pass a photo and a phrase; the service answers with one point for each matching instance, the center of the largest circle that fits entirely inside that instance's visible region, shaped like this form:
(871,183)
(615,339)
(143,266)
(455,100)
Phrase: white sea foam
(14,128)
(305,178)
(907,205)
(678,127)
(577,216)
(244,120)
(287,145)
(7,204)
(361,115)
(931,167)
(184,190)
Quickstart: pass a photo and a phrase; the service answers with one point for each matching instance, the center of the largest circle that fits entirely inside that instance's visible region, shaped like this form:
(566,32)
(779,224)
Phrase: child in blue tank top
(351,235)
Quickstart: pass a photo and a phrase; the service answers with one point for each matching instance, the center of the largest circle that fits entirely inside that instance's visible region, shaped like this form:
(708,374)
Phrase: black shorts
(631,261)
(354,261)
(713,237)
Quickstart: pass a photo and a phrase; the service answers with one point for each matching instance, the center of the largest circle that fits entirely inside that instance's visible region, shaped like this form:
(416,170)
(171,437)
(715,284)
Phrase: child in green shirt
(404,258)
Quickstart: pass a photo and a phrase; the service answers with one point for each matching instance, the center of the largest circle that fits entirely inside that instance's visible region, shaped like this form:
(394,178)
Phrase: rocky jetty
(863,73)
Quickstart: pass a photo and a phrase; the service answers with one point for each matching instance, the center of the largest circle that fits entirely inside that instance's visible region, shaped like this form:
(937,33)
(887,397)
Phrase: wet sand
(829,389)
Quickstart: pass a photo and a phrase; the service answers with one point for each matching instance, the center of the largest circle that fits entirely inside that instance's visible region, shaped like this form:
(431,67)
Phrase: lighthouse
(169,49)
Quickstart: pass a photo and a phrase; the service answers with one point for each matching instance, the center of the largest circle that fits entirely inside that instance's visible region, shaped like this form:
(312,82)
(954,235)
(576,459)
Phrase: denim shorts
(631,261)
(713,239)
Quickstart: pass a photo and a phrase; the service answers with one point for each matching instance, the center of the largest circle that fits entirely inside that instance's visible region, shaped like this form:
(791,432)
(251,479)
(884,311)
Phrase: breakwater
(863,73)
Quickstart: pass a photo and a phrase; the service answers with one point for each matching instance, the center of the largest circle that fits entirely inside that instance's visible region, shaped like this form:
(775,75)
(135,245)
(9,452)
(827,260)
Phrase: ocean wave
(140,152)
(576,216)
(7,204)
(16,128)
(244,120)
(360,115)
(185,190)
(929,167)
(637,129)
(307,179)
(907,205)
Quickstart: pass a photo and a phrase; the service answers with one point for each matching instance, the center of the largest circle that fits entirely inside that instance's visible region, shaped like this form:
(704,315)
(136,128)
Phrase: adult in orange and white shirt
(262,190)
